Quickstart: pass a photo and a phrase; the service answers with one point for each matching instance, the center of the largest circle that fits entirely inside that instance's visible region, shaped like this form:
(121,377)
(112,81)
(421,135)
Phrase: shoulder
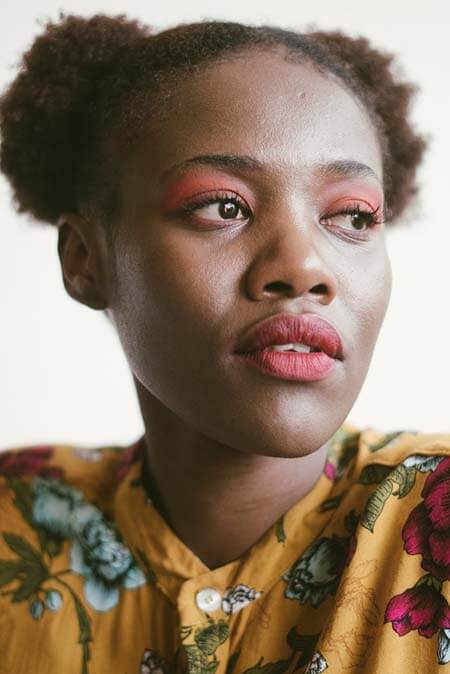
(399,458)
(389,444)
(57,517)
(368,452)
(381,466)
(74,464)
(393,523)
(398,491)
(52,478)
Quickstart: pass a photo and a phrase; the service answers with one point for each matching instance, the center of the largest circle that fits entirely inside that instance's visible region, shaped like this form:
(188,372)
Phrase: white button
(208,599)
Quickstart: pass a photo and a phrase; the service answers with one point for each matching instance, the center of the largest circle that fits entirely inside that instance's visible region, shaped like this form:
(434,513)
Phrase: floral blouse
(353,578)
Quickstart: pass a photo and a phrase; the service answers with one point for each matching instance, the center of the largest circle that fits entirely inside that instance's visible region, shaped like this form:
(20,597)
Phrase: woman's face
(209,246)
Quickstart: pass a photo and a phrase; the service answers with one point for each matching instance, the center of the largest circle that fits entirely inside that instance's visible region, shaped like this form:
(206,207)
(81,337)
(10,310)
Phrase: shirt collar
(168,562)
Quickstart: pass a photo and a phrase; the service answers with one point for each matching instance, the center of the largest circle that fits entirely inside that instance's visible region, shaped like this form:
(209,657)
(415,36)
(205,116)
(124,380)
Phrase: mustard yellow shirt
(353,578)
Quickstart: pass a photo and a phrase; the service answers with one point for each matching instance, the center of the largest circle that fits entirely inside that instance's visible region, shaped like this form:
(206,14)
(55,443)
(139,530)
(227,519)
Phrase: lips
(308,328)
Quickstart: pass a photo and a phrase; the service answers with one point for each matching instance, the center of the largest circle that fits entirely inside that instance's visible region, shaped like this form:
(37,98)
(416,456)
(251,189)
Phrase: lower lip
(295,366)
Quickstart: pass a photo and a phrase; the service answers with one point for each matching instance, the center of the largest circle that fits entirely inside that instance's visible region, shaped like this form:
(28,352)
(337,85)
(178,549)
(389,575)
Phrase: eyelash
(373,217)
(219,197)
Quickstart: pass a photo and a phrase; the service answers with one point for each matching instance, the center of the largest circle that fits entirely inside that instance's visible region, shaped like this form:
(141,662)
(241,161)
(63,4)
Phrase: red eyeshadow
(183,188)
(355,190)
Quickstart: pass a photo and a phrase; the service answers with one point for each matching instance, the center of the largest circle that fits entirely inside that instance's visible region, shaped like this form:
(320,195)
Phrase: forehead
(285,114)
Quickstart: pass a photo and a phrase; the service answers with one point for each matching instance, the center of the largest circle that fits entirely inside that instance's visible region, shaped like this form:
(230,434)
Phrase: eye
(218,207)
(354,217)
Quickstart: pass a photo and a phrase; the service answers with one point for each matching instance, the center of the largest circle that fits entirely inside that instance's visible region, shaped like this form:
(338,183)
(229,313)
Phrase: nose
(290,263)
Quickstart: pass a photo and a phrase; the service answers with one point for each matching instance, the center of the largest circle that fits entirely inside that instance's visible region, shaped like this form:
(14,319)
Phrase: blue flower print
(97,552)
(106,564)
(316,574)
(53,600)
(59,509)
(37,609)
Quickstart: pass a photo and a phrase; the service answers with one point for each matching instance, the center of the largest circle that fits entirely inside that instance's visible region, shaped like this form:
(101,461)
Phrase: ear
(82,262)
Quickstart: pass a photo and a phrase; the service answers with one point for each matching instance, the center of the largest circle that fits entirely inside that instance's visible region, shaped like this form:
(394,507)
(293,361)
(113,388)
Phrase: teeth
(297,346)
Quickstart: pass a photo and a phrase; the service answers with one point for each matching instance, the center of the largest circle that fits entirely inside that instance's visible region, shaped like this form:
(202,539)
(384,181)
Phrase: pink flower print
(427,529)
(421,608)
(33,461)
(330,470)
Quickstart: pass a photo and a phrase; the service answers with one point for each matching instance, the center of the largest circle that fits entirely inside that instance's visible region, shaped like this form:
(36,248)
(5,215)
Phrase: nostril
(320,289)
(275,285)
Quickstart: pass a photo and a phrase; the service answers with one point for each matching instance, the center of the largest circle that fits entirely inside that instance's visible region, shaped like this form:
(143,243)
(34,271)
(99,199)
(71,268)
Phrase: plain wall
(64,376)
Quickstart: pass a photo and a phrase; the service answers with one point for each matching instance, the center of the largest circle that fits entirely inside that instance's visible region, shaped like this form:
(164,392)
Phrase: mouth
(295,333)
(297,347)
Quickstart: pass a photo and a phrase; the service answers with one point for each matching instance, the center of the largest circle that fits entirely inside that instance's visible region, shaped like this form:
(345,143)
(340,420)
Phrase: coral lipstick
(294,366)
(294,331)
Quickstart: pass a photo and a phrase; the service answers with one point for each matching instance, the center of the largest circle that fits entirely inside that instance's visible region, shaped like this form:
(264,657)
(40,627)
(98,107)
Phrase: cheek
(190,272)
(372,288)
(175,285)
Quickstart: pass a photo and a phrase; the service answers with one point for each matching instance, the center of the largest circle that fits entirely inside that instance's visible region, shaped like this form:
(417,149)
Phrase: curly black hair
(86,80)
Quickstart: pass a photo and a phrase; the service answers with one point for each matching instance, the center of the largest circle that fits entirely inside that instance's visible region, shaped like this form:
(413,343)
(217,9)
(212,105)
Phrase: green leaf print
(30,583)
(349,449)
(351,521)
(22,548)
(374,473)
(201,655)
(331,503)
(375,504)
(232,662)
(23,501)
(53,547)
(9,571)
(406,478)
(278,667)
(209,638)
(301,642)
(23,498)
(431,581)
(29,571)
(387,437)
(279,530)
(343,450)
(85,636)
(198,661)
(185,631)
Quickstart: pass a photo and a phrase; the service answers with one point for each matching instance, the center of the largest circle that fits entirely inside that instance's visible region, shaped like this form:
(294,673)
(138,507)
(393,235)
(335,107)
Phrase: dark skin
(229,449)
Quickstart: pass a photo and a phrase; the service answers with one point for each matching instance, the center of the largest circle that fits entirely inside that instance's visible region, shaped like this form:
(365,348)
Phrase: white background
(63,375)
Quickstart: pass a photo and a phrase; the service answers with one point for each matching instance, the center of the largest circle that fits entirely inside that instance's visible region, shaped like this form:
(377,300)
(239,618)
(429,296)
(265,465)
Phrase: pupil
(228,209)
(357,220)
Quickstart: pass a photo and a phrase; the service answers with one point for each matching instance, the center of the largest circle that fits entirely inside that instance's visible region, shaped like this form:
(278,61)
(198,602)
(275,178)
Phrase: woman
(222,193)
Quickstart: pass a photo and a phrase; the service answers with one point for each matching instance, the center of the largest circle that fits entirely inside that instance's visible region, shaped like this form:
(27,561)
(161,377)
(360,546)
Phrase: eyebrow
(346,167)
(234,161)
(333,169)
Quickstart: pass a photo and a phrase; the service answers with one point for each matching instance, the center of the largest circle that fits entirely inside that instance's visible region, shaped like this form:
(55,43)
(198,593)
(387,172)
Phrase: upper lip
(308,328)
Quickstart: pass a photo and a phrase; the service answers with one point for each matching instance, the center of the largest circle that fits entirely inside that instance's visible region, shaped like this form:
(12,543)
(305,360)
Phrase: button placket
(204,629)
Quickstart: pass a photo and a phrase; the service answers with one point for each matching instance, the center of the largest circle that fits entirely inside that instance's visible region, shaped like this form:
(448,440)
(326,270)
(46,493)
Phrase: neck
(199,485)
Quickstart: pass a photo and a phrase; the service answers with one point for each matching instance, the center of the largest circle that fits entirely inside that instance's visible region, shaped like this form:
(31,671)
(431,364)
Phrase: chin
(283,440)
